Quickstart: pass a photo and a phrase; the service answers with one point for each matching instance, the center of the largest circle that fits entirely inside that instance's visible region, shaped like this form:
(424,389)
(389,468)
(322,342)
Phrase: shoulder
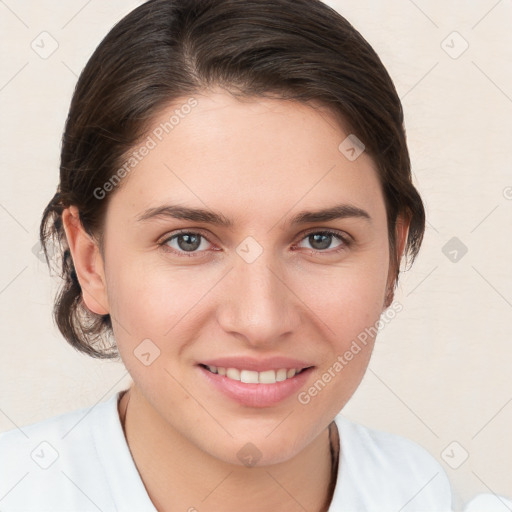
(40,442)
(44,463)
(382,471)
(488,503)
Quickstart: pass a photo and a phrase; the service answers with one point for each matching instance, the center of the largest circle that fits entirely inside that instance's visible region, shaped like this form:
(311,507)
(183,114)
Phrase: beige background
(441,369)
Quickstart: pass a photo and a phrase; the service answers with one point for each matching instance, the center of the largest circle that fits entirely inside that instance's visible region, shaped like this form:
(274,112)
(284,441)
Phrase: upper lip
(257,364)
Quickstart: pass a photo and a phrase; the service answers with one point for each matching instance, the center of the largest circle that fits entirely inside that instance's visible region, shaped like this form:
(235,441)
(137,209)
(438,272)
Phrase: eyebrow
(340,211)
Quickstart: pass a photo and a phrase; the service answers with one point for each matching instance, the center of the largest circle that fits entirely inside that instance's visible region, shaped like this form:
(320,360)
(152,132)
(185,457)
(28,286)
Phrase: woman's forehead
(260,150)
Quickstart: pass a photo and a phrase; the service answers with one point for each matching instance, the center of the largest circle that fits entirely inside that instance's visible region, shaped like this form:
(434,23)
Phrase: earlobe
(87,261)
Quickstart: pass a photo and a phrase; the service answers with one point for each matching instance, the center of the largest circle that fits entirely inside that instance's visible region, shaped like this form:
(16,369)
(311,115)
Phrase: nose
(258,303)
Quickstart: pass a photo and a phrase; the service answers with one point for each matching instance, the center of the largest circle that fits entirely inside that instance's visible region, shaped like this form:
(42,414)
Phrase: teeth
(249,377)
(281,375)
(268,377)
(252,377)
(233,373)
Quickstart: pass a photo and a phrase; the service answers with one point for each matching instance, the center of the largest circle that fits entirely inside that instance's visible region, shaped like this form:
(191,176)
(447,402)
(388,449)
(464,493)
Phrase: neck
(179,476)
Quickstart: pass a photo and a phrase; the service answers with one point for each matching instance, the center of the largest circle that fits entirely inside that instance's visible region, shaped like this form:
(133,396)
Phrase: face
(252,283)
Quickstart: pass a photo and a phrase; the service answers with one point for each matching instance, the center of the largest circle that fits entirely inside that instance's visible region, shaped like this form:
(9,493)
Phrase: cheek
(352,317)
(350,313)
(149,300)
(158,299)
(154,312)
(155,300)
(347,300)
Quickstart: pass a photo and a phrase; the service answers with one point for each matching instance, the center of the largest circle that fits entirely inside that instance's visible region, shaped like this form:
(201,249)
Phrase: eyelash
(346,242)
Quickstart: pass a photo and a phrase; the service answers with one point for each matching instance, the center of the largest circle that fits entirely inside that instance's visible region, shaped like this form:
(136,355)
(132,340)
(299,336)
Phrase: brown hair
(164,50)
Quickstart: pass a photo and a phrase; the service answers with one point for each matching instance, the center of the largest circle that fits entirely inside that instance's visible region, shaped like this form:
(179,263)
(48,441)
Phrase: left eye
(323,240)
(190,242)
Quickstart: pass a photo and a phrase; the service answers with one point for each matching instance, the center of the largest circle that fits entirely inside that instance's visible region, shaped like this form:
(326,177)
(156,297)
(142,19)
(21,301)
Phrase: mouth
(254,377)
(255,389)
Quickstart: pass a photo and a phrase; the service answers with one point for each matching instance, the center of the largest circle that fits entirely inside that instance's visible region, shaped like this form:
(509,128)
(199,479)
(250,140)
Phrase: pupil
(317,237)
(188,242)
(191,242)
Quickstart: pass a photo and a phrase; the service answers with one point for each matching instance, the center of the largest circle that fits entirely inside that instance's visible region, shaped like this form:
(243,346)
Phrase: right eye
(185,243)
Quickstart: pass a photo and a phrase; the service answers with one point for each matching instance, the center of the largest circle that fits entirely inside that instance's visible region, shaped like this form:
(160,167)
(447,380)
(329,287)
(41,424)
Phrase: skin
(258,162)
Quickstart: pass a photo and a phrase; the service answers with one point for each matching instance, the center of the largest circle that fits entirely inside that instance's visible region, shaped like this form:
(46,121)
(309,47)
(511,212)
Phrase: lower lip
(256,395)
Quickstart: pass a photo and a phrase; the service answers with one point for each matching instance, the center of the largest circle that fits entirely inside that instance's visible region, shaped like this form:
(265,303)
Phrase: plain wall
(440,372)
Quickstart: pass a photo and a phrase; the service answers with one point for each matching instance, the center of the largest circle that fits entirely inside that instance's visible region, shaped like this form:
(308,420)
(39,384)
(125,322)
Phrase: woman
(235,199)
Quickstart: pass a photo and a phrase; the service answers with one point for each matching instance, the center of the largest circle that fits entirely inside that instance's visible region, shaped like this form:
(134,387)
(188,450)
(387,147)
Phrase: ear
(401,233)
(87,261)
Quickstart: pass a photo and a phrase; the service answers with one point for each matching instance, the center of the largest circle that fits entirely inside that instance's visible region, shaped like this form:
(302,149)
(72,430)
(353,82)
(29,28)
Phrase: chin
(259,449)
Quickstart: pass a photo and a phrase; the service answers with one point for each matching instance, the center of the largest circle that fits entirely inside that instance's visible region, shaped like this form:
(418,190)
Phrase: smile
(252,388)
(253,377)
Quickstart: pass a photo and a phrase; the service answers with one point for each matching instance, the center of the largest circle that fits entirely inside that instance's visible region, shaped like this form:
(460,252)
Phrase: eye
(322,240)
(192,243)
(185,243)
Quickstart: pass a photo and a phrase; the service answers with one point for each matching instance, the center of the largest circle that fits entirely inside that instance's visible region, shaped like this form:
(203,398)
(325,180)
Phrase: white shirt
(80,461)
